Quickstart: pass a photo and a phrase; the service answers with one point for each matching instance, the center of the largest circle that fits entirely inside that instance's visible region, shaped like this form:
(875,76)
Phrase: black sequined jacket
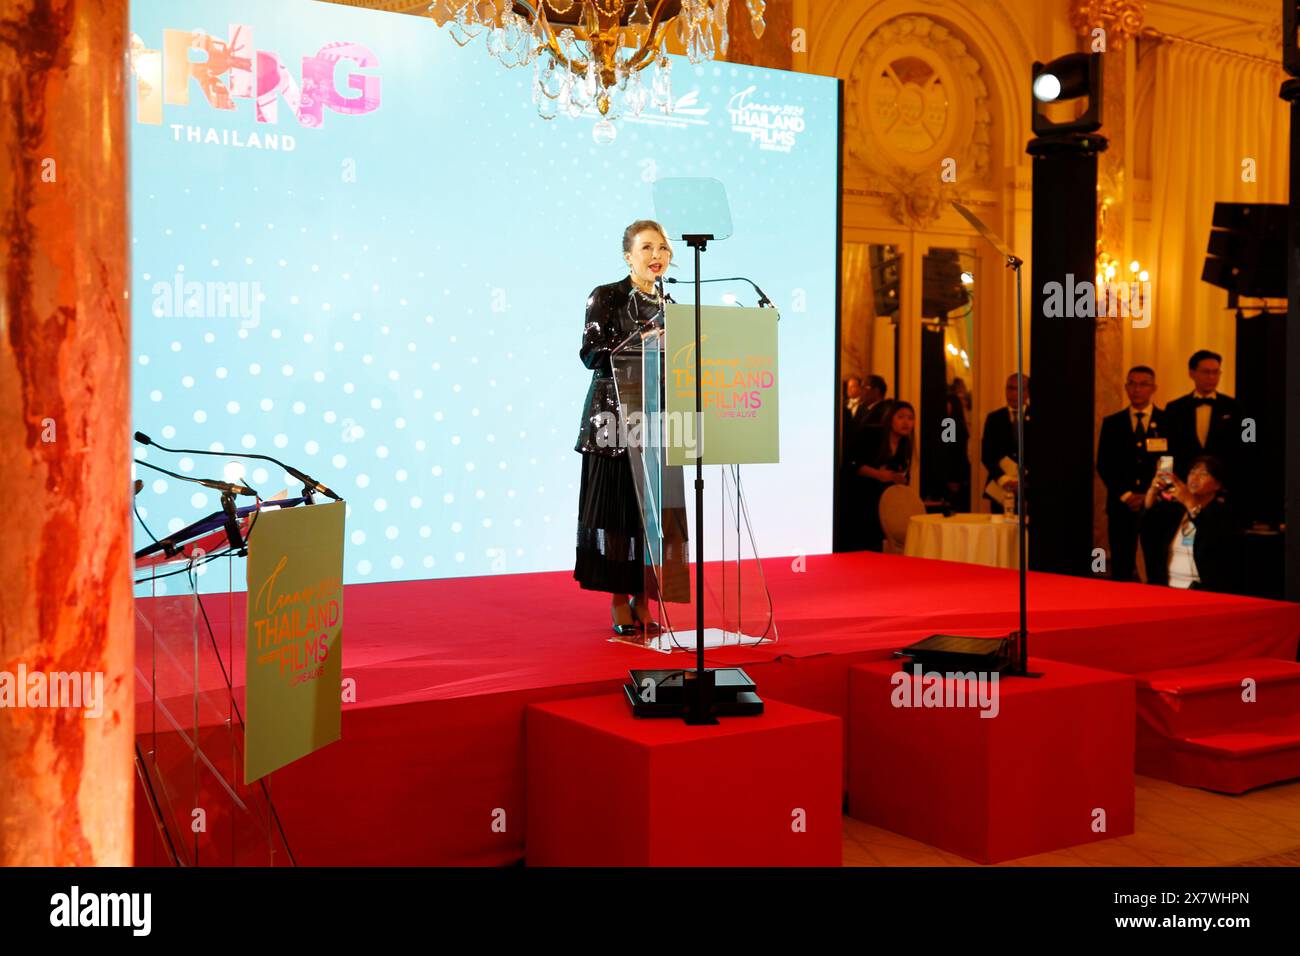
(614,312)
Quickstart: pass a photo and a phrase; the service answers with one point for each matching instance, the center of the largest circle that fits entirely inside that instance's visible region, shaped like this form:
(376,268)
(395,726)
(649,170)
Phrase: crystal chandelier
(588,55)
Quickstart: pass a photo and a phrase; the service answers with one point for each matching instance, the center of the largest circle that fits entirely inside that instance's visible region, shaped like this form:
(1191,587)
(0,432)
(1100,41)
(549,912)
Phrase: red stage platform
(1051,768)
(606,790)
(432,755)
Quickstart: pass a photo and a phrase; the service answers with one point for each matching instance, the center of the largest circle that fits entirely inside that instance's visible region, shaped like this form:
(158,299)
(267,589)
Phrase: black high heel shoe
(650,625)
(627,627)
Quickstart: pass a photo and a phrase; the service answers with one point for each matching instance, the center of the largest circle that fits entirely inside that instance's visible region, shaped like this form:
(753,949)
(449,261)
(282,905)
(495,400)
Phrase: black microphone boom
(763,299)
(310,483)
(225,487)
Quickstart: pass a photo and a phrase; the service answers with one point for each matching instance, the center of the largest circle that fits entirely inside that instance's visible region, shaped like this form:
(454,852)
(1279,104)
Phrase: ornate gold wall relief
(1121,19)
(916,108)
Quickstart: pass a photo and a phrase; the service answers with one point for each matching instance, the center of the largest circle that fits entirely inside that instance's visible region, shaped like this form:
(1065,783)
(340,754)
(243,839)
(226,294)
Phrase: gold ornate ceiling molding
(917,122)
(1121,19)
(1270,37)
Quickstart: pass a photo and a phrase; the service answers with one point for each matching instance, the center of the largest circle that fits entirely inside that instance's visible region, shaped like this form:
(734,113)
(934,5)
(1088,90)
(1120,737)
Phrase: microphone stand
(699,686)
(231,524)
(1020,651)
(1022,634)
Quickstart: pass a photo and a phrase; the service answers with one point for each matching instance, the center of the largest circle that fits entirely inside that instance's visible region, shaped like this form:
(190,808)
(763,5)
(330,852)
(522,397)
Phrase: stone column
(66,777)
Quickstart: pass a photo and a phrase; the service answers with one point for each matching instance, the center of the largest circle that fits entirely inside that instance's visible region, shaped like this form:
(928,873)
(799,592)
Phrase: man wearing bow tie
(1206,422)
(1131,443)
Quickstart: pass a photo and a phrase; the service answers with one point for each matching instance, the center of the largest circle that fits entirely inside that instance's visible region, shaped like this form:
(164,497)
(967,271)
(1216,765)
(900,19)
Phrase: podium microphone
(225,487)
(763,300)
(308,482)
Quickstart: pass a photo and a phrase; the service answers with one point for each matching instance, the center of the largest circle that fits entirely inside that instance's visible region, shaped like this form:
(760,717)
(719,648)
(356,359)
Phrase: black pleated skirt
(611,541)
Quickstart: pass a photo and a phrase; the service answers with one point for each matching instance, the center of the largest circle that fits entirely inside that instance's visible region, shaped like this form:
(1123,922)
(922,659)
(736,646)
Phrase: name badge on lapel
(1157,445)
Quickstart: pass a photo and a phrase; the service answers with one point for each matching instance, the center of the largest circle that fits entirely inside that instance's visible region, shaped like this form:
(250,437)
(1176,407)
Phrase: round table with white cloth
(972,538)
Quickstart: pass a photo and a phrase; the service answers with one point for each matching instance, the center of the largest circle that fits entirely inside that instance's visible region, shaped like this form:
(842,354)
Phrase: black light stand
(1063,348)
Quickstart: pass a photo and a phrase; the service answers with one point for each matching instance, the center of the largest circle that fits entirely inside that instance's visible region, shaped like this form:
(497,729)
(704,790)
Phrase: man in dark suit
(1206,422)
(864,409)
(874,394)
(854,415)
(1131,443)
(999,442)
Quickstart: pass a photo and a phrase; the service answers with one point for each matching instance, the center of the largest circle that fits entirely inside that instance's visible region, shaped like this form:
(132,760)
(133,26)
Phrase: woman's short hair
(641,225)
(1213,464)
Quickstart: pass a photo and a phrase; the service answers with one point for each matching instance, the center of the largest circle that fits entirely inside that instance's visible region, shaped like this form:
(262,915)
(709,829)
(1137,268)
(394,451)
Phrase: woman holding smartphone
(1188,535)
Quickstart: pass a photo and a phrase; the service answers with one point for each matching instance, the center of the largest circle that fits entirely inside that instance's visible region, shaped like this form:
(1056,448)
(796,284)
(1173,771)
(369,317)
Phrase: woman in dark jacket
(611,540)
(1189,537)
(883,459)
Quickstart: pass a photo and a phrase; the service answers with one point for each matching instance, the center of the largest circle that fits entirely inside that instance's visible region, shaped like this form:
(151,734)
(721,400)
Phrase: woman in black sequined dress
(611,540)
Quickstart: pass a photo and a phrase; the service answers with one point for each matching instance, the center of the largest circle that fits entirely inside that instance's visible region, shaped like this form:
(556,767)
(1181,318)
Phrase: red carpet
(432,753)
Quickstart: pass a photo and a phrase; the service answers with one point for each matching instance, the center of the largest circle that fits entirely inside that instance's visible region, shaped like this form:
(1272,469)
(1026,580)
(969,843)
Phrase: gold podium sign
(294,649)
(740,384)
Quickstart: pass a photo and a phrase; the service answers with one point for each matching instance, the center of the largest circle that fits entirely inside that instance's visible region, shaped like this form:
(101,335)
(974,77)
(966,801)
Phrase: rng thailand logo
(235,70)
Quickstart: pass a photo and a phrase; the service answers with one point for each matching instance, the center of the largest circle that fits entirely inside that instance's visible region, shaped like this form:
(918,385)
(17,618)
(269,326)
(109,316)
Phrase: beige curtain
(1212,111)
(857,310)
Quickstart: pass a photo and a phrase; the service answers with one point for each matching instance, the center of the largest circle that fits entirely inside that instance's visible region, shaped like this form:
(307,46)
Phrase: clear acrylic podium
(189,721)
(737,603)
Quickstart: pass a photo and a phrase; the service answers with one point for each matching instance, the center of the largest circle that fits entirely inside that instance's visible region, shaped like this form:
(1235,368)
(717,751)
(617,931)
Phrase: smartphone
(1165,475)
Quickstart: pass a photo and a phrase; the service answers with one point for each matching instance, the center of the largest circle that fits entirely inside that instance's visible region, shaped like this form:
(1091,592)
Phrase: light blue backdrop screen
(412,286)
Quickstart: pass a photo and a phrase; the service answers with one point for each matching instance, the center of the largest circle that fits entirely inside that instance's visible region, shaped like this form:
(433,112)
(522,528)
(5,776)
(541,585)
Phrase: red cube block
(607,789)
(1052,768)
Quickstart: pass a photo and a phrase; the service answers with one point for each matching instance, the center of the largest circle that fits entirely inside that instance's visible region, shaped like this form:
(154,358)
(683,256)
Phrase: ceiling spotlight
(967,278)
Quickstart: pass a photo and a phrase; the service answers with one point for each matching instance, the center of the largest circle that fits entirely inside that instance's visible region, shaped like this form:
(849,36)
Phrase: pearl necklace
(654,296)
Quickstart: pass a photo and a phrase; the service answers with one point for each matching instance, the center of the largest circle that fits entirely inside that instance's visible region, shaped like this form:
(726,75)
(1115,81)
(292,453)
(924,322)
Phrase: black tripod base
(951,653)
(724,692)
(701,690)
